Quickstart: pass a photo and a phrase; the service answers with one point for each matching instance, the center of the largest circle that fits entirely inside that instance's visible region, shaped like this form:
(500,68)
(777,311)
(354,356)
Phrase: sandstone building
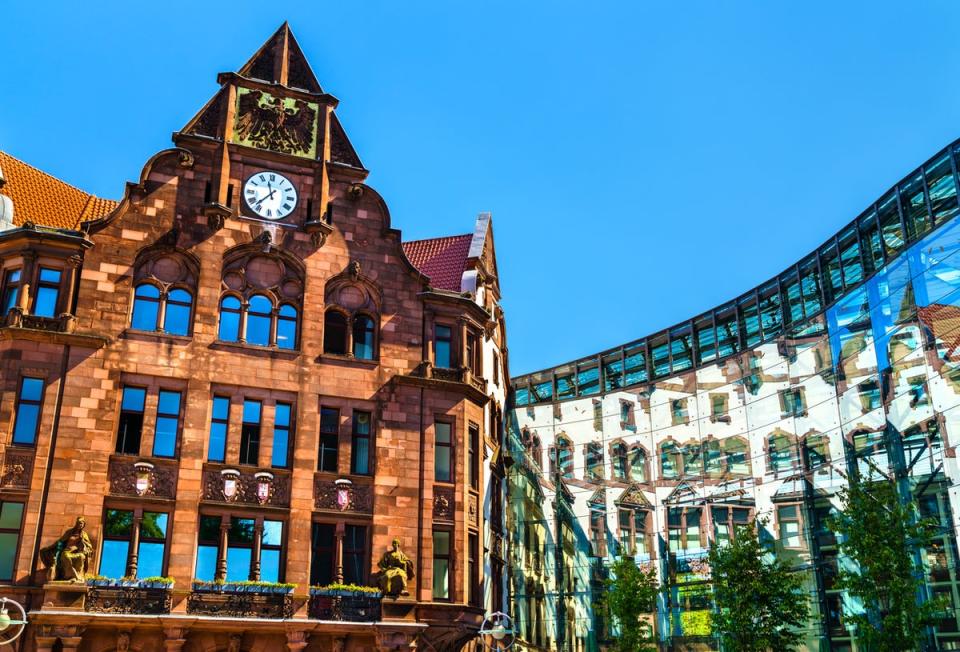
(240,373)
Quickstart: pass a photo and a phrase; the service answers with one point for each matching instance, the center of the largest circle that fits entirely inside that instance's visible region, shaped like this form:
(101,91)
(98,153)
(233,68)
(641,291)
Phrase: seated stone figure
(395,570)
(68,558)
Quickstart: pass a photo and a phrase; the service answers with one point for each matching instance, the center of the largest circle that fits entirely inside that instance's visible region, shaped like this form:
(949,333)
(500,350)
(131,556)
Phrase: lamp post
(11,627)
(496,632)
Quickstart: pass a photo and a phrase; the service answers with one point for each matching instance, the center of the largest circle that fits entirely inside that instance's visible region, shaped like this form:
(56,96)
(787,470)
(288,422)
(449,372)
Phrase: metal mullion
(694,348)
(926,195)
(646,360)
(903,220)
(623,366)
(823,294)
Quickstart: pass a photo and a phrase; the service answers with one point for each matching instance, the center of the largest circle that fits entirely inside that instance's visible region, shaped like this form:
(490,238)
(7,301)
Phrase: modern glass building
(846,363)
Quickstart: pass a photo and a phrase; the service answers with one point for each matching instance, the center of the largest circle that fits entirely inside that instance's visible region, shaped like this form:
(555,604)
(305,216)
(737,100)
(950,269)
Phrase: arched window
(176,316)
(565,455)
(335,332)
(692,459)
(287,327)
(638,464)
(782,452)
(259,316)
(736,453)
(669,468)
(619,461)
(163,283)
(712,458)
(230,313)
(818,450)
(363,337)
(146,307)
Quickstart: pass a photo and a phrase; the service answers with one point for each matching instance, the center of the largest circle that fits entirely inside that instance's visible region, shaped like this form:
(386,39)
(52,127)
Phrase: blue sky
(643,162)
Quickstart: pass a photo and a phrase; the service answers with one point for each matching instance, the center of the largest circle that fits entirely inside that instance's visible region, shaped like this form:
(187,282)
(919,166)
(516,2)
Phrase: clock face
(270,195)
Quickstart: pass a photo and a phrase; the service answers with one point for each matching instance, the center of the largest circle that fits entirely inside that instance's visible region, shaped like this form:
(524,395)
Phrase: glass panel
(281,434)
(270,565)
(118,523)
(258,320)
(334,333)
(751,321)
(443,454)
(8,553)
(890,225)
(150,560)
(363,338)
(706,341)
(10,516)
(251,411)
(113,559)
(850,259)
(238,564)
(681,349)
(588,379)
(872,244)
(771,319)
(46,303)
(229,319)
(25,430)
(830,264)
(791,292)
(612,371)
(942,188)
(206,563)
(565,385)
(272,533)
(727,327)
(914,204)
(441,566)
(661,357)
(153,525)
(241,530)
(218,441)
(133,399)
(48,275)
(810,287)
(441,347)
(635,367)
(145,311)
(176,319)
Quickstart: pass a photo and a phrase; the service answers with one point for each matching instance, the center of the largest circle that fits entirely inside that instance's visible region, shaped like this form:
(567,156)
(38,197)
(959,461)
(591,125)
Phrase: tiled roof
(45,200)
(442,259)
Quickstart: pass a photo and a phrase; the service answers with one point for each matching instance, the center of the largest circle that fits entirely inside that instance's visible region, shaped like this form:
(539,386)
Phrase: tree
(877,533)
(631,594)
(760,603)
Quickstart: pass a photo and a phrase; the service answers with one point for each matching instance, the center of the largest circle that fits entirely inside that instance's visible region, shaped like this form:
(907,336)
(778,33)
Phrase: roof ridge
(440,237)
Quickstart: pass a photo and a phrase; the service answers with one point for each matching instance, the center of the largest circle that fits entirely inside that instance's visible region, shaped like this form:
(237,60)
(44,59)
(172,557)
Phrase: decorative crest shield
(231,483)
(264,486)
(344,494)
(144,474)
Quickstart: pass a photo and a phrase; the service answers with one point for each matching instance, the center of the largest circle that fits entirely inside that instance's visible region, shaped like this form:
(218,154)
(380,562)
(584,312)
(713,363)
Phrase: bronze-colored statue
(69,557)
(395,570)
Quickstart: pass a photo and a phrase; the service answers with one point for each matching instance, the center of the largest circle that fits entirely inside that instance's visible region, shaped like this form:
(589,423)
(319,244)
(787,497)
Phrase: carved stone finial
(396,569)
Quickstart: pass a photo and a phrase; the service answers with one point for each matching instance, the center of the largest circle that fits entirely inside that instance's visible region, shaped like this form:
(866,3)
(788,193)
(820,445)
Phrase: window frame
(225,422)
(448,557)
(18,531)
(449,340)
(290,434)
(244,454)
(354,436)
(16,412)
(335,434)
(120,419)
(166,415)
(9,285)
(41,284)
(780,522)
(448,446)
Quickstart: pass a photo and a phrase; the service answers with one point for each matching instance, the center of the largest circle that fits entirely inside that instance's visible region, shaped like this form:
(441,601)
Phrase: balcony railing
(348,608)
(127,600)
(240,604)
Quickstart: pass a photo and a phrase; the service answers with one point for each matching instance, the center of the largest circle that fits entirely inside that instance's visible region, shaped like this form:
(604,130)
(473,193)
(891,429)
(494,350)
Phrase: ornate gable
(633,496)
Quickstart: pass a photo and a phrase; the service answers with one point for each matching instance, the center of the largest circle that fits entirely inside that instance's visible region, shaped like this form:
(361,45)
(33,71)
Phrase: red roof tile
(442,259)
(45,200)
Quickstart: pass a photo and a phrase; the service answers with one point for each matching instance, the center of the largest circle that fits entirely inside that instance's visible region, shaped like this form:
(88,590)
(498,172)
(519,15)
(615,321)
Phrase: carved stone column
(221,573)
(72,267)
(26,282)
(134,558)
(338,550)
(257,541)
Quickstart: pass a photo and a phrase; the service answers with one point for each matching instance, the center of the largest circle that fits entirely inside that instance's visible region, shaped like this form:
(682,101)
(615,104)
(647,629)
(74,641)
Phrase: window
(271,548)
(149,304)
(360,448)
(718,408)
(565,456)
(208,548)
(168,424)
(597,415)
(146,307)
(176,316)
(712,458)
(11,290)
(792,403)
(11,517)
(918,391)
(240,538)
(633,531)
(669,460)
(473,569)
(443,347)
(230,312)
(496,369)
(738,460)
(118,559)
(219,424)
(593,455)
(323,554)
(726,520)
(536,450)
(48,292)
(683,525)
(618,459)
(443,454)
(678,412)
(638,464)
(441,564)
(250,433)
(335,332)
(598,529)
(363,337)
(27,422)
(287,327)
(474,456)
(869,395)
(818,451)
(329,439)
(788,523)
(474,353)
(355,554)
(783,453)
(259,311)
(281,435)
(131,420)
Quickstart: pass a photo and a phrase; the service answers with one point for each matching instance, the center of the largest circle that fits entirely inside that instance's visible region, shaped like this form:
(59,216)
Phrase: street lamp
(496,632)
(11,628)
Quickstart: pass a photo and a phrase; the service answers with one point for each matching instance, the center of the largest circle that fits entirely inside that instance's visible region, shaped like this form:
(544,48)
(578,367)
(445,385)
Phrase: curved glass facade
(848,362)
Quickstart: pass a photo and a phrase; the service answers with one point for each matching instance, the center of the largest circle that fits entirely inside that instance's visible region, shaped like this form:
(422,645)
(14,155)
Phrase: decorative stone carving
(17,469)
(241,605)
(128,600)
(473,516)
(69,557)
(443,503)
(279,124)
(396,569)
(342,496)
(240,487)
(153,479)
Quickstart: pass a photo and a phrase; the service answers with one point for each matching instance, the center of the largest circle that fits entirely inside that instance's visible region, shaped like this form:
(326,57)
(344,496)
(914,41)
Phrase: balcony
(427,374)
(345,606)
(240,601)
(112,597)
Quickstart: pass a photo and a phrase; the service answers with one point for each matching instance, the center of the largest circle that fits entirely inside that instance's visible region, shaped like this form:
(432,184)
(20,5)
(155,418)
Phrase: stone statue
(69,557)
(395,570)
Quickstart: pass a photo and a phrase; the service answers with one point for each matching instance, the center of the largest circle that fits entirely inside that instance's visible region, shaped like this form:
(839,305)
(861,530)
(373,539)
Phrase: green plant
(260,583)
(336,586)
(631,595)
(760,603)
(158,579)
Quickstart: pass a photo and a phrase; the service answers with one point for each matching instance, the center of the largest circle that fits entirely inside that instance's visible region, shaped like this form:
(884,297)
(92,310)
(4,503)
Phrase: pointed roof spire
(280,60)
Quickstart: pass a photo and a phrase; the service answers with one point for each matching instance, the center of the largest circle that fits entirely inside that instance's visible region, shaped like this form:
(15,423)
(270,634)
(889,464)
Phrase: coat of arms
(279,124)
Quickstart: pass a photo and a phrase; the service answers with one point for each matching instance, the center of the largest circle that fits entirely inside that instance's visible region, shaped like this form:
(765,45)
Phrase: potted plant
(99,581)
(346,590)
(157,582)
(207,586)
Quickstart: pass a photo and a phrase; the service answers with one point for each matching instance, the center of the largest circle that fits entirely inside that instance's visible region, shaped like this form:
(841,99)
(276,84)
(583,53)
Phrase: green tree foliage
(878,533)
(760,603)
(631,595)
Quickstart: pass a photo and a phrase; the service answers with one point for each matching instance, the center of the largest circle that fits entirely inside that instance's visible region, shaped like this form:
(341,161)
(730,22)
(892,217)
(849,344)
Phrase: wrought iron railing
(127,600)
(240,604)
(350,608)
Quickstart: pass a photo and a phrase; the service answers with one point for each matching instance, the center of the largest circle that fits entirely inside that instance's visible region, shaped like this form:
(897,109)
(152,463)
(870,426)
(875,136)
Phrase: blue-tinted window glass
(612,371)
(251,411)
(250,433)
(588,379)
(890,228)
(287,327)
(176,319)
(443,454)
(442,347)
(360,450)
(272,533)
(146,307)
(680,350)
(11,289)
(10,518)
(133,399)
(229,319)
(281,435)
(270,565)
(28,411)
(150,560)
(46,302)
(218,428)
(238,564)
(48,275)
(634,365)
(661,359)
(706,348)
(942,188)
(258,320)
(363,338)
(168,424)
(206,563)
(113,559)
(914,204)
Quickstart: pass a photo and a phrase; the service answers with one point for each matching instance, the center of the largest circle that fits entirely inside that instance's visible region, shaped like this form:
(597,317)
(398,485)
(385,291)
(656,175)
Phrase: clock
(270,195)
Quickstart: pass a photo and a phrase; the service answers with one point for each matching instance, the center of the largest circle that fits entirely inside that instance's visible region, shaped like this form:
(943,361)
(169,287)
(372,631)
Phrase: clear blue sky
(643,162)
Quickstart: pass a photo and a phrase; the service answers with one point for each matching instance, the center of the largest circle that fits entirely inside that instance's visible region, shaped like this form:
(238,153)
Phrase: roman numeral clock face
(270,195)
